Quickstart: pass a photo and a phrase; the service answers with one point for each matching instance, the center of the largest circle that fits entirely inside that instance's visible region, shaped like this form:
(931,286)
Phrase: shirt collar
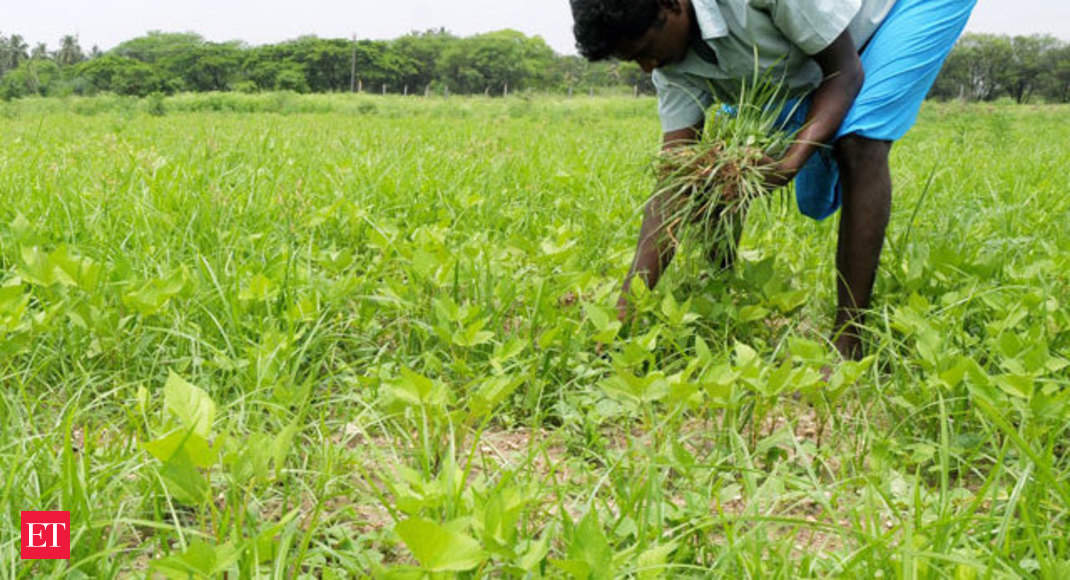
(711,23)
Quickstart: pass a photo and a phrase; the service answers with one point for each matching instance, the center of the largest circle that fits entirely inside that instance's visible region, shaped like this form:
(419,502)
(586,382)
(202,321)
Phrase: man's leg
(653,252)
(655,249)
(867,202)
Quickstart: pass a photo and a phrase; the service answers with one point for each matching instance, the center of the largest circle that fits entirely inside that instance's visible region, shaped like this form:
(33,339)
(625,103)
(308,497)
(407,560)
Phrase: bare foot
(849,346)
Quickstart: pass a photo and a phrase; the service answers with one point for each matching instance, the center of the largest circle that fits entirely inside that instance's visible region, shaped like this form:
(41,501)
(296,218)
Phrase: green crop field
(326,337)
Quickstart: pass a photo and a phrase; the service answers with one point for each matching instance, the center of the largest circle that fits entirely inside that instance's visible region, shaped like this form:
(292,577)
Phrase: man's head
(652,33)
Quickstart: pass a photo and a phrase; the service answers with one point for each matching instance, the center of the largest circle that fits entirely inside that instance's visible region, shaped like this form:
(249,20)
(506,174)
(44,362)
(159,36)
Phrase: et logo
(46,535)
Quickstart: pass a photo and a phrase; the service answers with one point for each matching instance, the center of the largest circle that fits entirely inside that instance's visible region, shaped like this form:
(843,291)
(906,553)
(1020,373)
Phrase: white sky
(108,22)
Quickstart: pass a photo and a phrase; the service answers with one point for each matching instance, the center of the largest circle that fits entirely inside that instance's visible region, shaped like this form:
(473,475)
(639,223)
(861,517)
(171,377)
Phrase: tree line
(982,67)
(419,63)
(986,67)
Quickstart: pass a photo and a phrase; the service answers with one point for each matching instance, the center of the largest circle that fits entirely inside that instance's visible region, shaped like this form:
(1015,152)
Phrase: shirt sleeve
(811,25)
(682,103)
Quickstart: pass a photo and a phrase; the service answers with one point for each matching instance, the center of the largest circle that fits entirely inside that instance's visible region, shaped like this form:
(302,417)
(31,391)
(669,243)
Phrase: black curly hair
(600,25)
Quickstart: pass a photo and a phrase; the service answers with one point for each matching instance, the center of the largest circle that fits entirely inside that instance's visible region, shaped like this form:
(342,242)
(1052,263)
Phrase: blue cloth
(901,63)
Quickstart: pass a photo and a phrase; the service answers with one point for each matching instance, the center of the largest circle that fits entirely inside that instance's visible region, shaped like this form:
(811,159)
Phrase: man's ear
(673,6)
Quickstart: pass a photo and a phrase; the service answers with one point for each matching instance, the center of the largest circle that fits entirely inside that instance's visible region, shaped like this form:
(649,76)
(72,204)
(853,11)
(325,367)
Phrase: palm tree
(16,51)
(40,52)
(3,55)
(69,52)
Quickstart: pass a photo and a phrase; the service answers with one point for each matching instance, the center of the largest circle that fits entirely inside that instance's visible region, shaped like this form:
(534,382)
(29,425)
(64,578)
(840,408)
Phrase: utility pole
(353,67)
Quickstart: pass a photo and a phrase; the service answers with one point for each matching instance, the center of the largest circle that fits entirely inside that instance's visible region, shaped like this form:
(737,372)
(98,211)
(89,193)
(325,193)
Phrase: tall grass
(389,320)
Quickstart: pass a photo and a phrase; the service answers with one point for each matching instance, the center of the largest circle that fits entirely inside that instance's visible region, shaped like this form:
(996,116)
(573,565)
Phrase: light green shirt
(785,34)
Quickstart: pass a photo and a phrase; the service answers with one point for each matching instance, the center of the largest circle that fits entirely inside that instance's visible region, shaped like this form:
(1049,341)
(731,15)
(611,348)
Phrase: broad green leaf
(625,385)
(1016,385)
(196,447)
(536,552)
(35,267)
(473,335)
(589,545)
(576,569)
(807,350)
(259,289)
(200,559)
(190,405)
(412,388)
(752,313)
(787,302)
(651,563)
(154,295)
(745,356)
(183,480)
(437,548)
(604,322)
(492,392)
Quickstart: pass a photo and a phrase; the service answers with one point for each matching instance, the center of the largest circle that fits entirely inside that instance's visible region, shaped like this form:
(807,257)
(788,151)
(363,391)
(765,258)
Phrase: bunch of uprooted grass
(704,188)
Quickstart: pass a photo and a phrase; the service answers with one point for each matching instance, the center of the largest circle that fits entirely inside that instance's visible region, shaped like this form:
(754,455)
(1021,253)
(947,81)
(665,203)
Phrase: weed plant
(705,187)
(298,340)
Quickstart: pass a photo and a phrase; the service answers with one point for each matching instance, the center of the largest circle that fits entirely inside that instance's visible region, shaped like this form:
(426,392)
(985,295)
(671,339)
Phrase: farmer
(861,67)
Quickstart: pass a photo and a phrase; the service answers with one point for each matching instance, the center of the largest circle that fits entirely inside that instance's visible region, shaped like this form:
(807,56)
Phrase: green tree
(32,77)
(988,60)
(1058,62)
(118,74)
(15,51)
(495,61)
(69,53)
(422,50)
(158,46)
(40,52)
(1029,65)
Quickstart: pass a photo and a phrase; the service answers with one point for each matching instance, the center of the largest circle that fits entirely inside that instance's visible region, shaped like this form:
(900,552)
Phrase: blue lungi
(901,62)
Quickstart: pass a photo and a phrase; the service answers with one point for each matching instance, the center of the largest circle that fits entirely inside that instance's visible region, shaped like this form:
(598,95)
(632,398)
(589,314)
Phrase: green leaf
(200,559)
(536,553)
(259,289)
(190,405)
(625,385)
(1016,385)
(492,392)
(577,569)
(196,448)
(745,356)
(752,313)
(651,563)
(473,335)
(589,545)
(280,447)
(155,295)
(437,548)
(415,389)
(605,324)
(807,350)
(183,480)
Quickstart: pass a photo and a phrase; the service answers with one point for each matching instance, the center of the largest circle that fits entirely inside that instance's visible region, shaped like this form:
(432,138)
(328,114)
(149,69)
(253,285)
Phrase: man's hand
(778,173)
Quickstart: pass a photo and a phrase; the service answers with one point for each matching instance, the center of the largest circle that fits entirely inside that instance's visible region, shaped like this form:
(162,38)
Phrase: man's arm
(653,252)
(843,76)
